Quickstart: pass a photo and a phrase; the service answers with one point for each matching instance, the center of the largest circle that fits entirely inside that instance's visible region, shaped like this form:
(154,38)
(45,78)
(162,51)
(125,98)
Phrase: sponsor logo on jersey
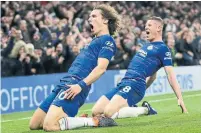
(109,48)
(142,53)
(109,43)
(168,56)
(150,47)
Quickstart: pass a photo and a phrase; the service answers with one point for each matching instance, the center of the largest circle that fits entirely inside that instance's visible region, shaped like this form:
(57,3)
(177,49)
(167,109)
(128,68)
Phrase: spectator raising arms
(65,26)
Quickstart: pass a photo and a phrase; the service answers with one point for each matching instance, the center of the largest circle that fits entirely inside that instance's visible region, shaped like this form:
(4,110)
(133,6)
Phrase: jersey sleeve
(165,56)
(108,48)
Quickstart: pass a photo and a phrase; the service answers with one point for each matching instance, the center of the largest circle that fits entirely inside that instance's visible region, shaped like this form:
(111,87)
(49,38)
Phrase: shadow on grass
(80,130)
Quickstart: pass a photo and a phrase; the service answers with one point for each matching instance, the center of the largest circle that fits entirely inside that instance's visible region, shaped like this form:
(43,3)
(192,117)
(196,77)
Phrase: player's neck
(157,39)
(103,32)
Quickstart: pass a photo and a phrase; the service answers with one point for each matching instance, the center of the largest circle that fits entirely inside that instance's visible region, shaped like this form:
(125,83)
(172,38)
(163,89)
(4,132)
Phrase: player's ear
(105,21)
(159,28)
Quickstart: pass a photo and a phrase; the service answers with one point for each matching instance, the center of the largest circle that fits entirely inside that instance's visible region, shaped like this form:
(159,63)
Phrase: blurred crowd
(45,37)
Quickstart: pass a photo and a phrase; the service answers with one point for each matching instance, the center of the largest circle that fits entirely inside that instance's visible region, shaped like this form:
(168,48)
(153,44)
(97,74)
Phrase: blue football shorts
(133,91)
(70,107)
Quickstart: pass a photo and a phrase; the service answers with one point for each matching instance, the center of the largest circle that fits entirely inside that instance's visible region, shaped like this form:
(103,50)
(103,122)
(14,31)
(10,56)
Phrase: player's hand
(72,91)
(182,106)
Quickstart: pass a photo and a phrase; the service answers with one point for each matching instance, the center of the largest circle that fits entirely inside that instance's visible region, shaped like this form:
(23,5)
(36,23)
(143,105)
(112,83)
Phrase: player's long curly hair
(109,13)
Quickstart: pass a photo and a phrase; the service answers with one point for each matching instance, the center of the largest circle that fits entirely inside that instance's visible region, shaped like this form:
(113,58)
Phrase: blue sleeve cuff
(82,84)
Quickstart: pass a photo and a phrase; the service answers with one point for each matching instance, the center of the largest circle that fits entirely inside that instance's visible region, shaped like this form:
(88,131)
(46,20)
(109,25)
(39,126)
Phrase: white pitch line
(25,118)
(172,98)
(151,101)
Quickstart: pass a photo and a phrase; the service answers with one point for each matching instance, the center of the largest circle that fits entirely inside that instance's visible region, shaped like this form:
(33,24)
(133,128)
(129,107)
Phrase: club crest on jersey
(142,53)
(109,43)
(150,47)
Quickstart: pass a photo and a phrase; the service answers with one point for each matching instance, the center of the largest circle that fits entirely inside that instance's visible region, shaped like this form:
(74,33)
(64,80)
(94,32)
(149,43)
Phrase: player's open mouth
(91,26)
(147,32)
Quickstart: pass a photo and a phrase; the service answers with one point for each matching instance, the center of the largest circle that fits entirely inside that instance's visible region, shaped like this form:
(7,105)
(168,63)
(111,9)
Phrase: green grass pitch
(169,118)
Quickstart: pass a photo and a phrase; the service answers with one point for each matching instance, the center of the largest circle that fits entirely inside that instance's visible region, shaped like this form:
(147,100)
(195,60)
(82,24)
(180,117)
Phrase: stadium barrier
(26,93)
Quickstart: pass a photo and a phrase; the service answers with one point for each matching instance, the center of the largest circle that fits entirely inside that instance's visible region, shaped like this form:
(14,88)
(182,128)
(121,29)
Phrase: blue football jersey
(148,60)
(100,47)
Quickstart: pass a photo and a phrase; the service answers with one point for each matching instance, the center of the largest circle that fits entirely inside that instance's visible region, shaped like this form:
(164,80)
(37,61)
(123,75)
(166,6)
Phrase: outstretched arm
(97,71)
(150,80)
(175,86)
